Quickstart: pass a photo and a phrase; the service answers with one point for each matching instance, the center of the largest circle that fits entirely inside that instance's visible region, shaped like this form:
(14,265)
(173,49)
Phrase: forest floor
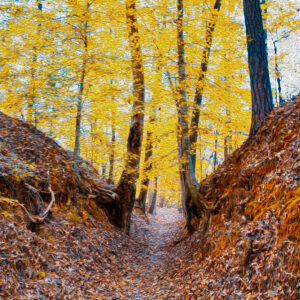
(153,241)
(71,261)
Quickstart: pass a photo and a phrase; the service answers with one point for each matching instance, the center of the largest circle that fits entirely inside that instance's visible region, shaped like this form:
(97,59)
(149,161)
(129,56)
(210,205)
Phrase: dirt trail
(150,250)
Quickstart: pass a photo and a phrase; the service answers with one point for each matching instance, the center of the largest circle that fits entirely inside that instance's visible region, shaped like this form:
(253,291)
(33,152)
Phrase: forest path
(149,253)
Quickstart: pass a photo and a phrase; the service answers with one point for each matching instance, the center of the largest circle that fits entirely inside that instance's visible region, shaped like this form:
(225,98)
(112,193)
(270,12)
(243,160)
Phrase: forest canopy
(61,60)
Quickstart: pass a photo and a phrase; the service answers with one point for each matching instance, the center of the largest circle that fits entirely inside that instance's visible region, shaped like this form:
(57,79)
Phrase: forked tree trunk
(262,102)
(188,178)
(126,188)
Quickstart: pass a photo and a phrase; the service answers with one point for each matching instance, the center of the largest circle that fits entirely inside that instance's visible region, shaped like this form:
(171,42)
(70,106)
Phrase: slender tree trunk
(200,83)
(201,165)
(277,74)
(261,92)
(112,155)
(76,152)
(126,187)
(154,198)
(216,153)
(31,115)
(225,148)
(180,158)
(32,93)
(113,142)
(182,112)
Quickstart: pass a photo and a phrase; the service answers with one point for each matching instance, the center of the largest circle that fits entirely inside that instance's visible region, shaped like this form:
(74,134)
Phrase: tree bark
(192,201)
(112,155)
(225,148)
(216,153)
(277,74)
(76,152)
(147,168)
(126,187)
(154,198)
(264,18)
(262,102)
(200,83)
(31,116)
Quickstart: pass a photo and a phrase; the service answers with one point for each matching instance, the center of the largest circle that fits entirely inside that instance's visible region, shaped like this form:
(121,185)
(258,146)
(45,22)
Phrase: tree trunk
(153,202)
(262,102)
(76,152)
(189,182)
(200,83)
(277,74)
(162,201)
(126,187)
(263,2)
(31,116)
(147,168)
(112,155)
(200,154)
(216,153)
(225,148)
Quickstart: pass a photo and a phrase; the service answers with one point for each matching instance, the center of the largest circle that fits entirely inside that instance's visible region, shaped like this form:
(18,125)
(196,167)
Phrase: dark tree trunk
(147,168)
(153,202)
(200,83)
(263,2)
(262,102)
(126,188)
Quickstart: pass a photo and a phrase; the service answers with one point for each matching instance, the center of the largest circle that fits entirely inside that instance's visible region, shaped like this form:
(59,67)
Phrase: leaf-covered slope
(250,249)
(27,155)
(263,175)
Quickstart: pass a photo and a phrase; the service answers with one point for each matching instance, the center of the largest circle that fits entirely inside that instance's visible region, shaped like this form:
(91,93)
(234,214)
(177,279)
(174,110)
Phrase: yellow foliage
(42,54)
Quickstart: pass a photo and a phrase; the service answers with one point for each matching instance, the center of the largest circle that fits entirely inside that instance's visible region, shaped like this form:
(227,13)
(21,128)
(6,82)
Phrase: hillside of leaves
(250,245)
(30,162)
(248,248)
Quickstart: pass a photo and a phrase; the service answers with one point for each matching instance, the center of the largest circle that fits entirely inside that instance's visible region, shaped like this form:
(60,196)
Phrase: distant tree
(154,198)
(262,102)
(31,115)
(83,71)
